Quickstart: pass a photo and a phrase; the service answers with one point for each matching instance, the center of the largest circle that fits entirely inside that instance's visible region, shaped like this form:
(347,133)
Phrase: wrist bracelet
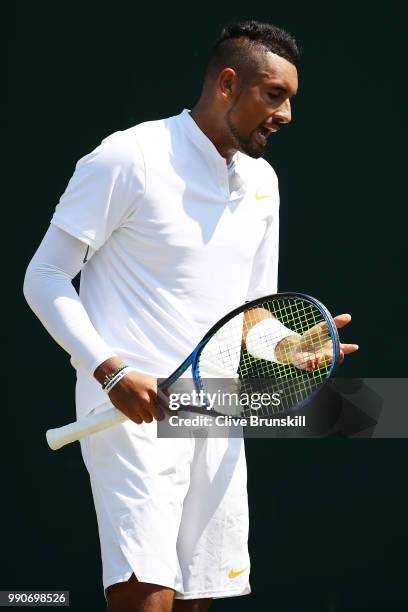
(110,377)
(116,376)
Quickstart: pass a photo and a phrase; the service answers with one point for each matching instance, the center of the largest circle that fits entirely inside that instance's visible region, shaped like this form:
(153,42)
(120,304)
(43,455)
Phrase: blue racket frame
(193,359)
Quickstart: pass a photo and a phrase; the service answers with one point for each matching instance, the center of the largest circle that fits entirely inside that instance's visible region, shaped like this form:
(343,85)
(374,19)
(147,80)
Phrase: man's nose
(284,113)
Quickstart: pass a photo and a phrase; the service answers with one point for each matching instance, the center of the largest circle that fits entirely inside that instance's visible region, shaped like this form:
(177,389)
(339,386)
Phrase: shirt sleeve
(264,275)
(105,189)
(50,294)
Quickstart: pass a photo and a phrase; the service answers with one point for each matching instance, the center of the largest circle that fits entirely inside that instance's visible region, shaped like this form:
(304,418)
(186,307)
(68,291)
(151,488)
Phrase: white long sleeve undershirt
(50,293)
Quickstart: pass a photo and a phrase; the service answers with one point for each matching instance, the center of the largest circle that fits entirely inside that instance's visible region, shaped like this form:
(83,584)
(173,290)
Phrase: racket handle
(59,437)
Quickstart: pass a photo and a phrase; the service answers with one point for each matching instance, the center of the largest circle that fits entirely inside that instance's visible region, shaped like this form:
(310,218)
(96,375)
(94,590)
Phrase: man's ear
(227,82)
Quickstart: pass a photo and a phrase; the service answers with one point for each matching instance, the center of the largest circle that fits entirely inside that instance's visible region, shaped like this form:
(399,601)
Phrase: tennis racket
(285,343)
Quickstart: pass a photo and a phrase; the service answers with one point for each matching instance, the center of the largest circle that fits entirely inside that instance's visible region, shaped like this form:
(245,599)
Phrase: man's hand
(314,348)
(135,394)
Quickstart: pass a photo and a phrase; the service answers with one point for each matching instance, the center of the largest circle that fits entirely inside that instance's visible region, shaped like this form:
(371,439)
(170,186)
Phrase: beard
(247,145)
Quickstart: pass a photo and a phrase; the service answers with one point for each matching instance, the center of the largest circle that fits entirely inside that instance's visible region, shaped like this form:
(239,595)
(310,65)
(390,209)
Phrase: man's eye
(274,96)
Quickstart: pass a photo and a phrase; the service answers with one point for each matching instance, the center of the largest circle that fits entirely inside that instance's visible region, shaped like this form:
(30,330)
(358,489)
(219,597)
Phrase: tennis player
(172,223)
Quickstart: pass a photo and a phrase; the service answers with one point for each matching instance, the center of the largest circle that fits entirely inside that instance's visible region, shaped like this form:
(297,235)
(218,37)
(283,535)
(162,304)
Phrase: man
(173,223)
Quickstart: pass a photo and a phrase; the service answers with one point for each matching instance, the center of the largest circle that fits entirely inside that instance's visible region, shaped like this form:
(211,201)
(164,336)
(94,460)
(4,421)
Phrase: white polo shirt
(180,240)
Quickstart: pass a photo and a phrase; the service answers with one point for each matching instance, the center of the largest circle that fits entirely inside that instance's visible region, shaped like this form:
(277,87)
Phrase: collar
(201,140)
(207,147)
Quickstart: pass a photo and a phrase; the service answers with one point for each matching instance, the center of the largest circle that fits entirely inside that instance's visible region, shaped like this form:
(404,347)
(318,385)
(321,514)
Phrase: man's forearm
(252,317)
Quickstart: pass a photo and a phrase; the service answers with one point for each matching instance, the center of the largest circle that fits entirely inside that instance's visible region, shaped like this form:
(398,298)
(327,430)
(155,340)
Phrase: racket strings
(225,355)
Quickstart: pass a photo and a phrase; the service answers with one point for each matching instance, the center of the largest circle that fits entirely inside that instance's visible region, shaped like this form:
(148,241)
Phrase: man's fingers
(342,320)
(157,410)
(141,412)
(349,348)
(320,332)
(314,348)
(163,397)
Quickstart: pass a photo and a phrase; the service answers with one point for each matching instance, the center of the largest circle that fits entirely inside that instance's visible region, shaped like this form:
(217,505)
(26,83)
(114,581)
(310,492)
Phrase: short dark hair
(237,40)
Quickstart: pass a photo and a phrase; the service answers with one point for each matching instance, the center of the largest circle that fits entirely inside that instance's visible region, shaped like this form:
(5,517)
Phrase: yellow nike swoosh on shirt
(262,196)
(233,574)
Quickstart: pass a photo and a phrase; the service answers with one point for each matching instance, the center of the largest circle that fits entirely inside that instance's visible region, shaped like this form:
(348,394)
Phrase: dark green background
(329,519)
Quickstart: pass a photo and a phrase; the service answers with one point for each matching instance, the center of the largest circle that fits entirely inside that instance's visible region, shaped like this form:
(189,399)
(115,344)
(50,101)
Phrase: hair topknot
(273,38)
(237,39)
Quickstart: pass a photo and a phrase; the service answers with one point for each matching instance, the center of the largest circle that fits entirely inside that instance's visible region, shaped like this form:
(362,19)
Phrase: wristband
(263,337)
(111,376)
(117,375)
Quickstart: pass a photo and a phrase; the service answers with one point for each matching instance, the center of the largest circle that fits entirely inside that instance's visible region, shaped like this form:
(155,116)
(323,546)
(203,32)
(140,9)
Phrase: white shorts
(172,511)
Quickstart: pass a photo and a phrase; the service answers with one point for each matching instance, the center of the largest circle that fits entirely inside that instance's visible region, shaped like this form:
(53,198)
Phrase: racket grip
(59,437)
